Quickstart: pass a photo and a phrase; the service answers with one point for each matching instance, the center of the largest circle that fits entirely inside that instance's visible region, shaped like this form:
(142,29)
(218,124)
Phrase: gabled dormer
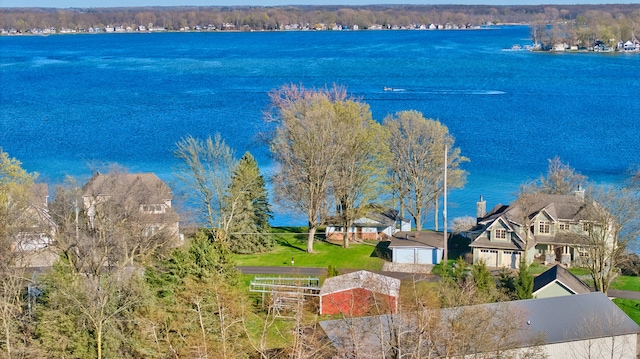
(499,231)
(544,224)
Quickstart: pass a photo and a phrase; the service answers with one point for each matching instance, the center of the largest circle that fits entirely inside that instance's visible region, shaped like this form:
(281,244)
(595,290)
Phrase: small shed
(424,247)
(557,281)
(359,293)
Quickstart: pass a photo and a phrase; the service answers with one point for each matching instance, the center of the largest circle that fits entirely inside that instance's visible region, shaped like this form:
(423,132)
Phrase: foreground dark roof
(551,320)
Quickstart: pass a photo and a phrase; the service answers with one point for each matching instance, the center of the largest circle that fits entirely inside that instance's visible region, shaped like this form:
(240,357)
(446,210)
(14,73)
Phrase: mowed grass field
(291,243)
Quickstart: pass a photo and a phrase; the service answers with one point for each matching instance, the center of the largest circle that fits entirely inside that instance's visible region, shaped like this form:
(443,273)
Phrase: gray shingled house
(558,232)
(142,192)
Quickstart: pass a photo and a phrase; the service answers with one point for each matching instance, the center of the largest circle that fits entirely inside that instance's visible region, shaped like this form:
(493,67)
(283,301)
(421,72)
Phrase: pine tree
(248,205)
(524,282)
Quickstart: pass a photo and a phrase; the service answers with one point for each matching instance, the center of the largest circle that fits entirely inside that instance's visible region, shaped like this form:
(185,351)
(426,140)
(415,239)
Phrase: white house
(374,226)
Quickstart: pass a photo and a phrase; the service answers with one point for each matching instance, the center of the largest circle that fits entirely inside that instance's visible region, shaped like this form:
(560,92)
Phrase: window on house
(500,233)
(545,227)
(564,226)
(586,227)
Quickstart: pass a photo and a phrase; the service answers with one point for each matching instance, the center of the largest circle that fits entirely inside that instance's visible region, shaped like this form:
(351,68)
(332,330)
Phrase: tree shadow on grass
(294,242)
(382,251)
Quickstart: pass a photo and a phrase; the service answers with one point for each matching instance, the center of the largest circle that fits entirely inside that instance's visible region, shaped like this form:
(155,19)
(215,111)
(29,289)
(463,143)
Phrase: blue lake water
(70,102)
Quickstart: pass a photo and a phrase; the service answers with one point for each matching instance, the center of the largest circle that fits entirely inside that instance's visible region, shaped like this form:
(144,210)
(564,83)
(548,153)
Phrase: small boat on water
(388,88)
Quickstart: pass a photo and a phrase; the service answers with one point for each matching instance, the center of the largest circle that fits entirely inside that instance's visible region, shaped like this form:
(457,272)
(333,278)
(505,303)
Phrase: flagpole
(444,210)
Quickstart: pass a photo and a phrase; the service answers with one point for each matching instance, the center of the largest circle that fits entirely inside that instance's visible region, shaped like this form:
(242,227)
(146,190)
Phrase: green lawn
(290,244)
(629,306)
(626,283)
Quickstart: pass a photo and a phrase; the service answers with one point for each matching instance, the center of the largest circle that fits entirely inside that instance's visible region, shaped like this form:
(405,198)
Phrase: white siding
(624,347)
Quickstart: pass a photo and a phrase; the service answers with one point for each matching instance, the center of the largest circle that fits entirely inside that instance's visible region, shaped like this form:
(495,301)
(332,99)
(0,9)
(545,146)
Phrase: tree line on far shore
(256,18)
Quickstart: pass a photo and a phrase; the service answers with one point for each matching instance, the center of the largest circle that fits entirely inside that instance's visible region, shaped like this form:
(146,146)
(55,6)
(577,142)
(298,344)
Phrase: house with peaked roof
(142,192)
(39,226)
(557,281)
(423,247)
(376,225)
(585,325)
(359,293)
(558,231)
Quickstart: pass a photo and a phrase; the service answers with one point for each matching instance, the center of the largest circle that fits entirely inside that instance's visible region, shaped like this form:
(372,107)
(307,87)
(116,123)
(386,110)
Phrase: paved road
(627,294)
(294,270)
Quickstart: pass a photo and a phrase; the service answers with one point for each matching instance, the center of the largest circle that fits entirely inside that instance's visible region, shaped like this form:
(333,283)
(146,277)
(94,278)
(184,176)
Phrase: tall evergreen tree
(248,205)
(524,282)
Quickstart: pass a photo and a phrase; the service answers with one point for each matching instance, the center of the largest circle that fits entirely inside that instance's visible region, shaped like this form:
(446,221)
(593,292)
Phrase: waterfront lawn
(630,306)
(624,282)
(290,242)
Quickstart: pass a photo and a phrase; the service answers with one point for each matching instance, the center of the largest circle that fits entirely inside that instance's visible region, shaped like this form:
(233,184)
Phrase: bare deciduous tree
(305,149)
(107,229)
(417,172)
(358,179)
(613,226)
(206,168)
(561,178)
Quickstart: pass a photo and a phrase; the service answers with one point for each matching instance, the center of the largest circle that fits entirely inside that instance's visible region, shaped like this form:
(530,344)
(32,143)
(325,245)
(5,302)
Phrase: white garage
(425,247)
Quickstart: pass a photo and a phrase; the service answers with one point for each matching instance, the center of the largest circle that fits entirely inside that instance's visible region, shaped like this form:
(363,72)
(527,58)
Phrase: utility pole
(444,209)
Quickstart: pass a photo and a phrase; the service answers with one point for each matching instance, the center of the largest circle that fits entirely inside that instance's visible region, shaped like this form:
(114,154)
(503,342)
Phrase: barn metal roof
(374,282)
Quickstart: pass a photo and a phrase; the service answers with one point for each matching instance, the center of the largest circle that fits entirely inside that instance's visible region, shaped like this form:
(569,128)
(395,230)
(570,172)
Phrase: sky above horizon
(131,3)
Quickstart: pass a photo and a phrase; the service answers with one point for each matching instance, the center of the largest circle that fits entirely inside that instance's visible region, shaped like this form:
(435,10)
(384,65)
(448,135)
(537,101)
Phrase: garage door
(490,257)
(404,255)
(425,256)
(510,259)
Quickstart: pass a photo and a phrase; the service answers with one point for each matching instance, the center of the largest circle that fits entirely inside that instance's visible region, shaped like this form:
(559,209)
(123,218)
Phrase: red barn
(359,293)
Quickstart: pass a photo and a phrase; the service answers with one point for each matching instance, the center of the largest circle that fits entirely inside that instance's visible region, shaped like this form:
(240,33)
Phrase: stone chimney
(481,208)
(579,193)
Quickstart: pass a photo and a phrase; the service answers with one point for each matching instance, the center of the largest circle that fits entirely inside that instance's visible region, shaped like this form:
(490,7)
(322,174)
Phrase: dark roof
(484,242)
(560,207)
(568,208)
(552,320)
(417,239)
(563,276)
(562,238)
